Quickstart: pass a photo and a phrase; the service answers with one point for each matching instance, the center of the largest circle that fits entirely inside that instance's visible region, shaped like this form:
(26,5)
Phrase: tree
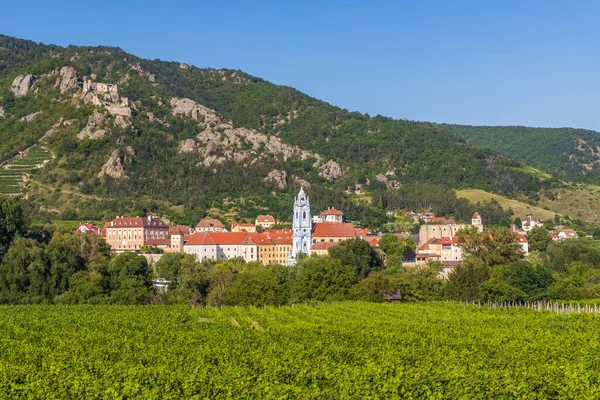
(495,246)
(393,245)
(372,288)
(130,278)
(561,254)
(65,259)
(465,281)
(322,278)
(24,273)
(539,239)
(221,278)
(517,221)
(255,284)
(12,221)
(358,254)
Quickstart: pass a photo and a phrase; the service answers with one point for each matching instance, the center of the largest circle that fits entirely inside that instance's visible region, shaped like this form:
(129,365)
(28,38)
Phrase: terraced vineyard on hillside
(343,350)
(14,173)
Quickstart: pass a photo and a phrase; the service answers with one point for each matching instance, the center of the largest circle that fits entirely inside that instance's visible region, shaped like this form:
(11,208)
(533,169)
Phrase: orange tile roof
(333,230)
(220,238)
(332,211)
(179,230)
(261,239)
(265,218)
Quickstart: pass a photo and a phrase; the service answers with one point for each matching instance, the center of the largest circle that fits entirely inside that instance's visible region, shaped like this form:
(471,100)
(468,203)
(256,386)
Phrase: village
(263,241)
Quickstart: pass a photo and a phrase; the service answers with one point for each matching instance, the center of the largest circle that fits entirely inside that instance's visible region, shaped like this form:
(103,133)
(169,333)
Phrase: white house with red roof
(89,229)
(567,233)
(222,246)
(330,216)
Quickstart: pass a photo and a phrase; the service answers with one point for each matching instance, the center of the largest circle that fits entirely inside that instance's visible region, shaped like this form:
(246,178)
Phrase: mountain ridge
(155,153)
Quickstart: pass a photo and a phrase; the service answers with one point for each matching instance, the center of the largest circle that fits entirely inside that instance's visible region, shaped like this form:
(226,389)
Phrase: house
(393,297)
(524,243)
(438,227)
(320,248)
(210,225)
(178,235)
(330,216)
(554,236)
(444,249)
(530,222)
(332,232)
(567,234)
(89,229)
(265,221)
(222,246)
(242,227)
(130,234)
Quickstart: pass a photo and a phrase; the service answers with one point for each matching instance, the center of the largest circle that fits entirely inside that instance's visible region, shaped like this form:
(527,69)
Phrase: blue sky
(527,62)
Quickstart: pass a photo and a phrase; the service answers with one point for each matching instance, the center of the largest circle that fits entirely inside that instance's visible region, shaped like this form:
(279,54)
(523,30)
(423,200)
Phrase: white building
(222,246)
(530,222)
(302,226)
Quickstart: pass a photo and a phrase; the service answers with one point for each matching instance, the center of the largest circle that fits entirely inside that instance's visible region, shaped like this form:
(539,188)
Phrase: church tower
(302,226)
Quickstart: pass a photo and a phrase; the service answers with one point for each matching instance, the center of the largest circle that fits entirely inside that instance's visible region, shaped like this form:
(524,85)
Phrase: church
(301,227)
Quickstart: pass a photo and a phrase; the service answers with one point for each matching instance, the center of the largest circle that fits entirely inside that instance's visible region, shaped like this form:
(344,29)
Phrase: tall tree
(358,254)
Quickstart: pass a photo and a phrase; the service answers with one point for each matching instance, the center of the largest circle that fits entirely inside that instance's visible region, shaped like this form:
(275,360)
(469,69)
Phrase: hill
(113,133)
(566,153)
(519,208)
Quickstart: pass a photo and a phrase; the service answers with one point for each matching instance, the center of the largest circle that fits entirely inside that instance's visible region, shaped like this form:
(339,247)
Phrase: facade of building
(265,221)
(130,234)
(320,248)
(301,226)
(567,234)
(178,235)
(210,225)
(222,246)
(446,228)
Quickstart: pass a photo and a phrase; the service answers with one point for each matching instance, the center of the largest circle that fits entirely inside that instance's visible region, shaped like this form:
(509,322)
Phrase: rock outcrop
(189,107)
(121,110)
(68,79)
(94,128)
(122,122)
(187,146)
(302,182)
(22,84)
(29,118)
(278,178)
(113,167)
(331,171)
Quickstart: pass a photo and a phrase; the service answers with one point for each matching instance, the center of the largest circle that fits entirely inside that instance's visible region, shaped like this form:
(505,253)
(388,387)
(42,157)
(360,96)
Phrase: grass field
(342,350)
(580,201)
(519,208)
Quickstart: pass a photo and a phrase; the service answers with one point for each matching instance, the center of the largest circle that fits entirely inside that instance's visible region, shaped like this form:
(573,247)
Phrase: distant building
(130,234)
(530,222)
(524,243)
(301,225)
(242,227)
(210,225)
(89,229)
(438,227)
(332,233)
(330,216)
(178,235)
(567,234)
(222,246)
(265,221)
(320,248)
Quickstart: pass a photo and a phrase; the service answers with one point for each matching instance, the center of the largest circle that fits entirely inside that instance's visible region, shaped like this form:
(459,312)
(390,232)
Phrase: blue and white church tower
(302,226)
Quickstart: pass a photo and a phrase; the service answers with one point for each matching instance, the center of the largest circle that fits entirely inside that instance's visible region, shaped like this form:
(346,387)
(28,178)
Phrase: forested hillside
(566,153)
(129,135)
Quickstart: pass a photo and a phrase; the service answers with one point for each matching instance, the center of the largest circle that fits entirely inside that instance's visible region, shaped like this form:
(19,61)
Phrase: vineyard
(339,350)
(14,173)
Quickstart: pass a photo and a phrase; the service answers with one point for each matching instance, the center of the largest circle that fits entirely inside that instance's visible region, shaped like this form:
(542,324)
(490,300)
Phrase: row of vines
(338,350)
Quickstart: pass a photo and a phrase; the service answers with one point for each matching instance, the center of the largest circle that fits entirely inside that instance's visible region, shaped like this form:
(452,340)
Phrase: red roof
(279,233)
(179,230)
(209,223)
(362,232)
(323,245)
(282,240)
(442,220)
(265,218)
(522,238)
(332,211)
(219,238)
(89,229)
(334,230)
(476,215)
(149,221)
(260,238)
